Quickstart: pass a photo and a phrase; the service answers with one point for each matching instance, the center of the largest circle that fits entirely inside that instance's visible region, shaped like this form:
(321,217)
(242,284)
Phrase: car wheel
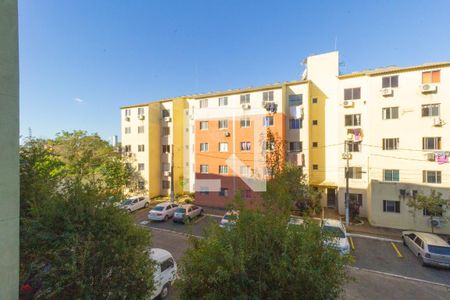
(164,292)
(403,239)
(166,218)
(146,204)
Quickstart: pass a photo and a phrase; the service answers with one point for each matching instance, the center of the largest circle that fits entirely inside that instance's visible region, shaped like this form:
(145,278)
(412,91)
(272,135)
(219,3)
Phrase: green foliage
(261,258)
(93,252)
(68,222)
(289,189)
(433,204)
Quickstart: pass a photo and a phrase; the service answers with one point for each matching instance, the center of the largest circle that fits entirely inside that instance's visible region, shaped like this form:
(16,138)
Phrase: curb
(402,277)
(374,237)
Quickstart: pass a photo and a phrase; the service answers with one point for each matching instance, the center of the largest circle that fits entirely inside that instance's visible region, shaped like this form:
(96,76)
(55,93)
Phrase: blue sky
(80,61)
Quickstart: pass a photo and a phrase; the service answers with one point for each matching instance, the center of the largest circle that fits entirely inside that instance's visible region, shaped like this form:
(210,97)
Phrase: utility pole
(347,156)
(172,194)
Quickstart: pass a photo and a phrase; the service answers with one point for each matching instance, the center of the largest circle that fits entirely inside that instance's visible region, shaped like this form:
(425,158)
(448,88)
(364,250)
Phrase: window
(165,148)
(316,167)
(223,147)
(432,176)
(127,112)
(431,143)
(245,122)
(390,143)
(391,175)
(165,113)
(268,96)
(141,184)
(352,94)
(223,169)
(314,101)
(246,146)
(140,111)
(127,148)
(295,123)
(166,184)
(315,122)
(268,121)
(140,129)
(166,130)
(268,145)
(436,214)
(355,172)
(167,264)
(354,146)
(141,167)
(223,101)
(203,125)
(390,81)
(204,147)
(141,148)
(295,146)
(295,100)
(204,103)
(390,113)
(127,130)
(356,198)
(223,192)
(431,110)
(245,171)
(204,190)
(315,144)
(223,124)
(353,120)
(391,206)
(204,169)
(431,76)
(245,99)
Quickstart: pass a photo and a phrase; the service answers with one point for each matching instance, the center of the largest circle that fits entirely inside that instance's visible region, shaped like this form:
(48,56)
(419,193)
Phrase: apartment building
(391,120)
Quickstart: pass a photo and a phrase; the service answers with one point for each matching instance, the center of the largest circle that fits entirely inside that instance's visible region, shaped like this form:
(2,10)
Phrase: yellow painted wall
(179,106)
(154,149)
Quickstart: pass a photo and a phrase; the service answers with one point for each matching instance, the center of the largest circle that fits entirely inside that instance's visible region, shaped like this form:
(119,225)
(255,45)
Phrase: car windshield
(180,210)
(126,202)
(442,250)
(334,231)
(158,208)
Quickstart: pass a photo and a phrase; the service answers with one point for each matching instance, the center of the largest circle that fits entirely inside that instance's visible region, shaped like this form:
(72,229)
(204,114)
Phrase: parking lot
(371,254)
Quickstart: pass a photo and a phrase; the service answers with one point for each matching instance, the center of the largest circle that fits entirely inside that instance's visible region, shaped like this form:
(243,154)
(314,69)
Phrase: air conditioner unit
(438,122)
(166,173)
(402,193)
(409,193)
(141,117)
(245,106)
(127,119)
(387,92)
(430,156)
(436,222)
(227,134)
(348,103)
(429,88)
(167,119)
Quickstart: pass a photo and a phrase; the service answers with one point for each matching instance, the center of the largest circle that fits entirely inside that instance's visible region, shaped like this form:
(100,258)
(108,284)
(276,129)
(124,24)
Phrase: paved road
(371,256)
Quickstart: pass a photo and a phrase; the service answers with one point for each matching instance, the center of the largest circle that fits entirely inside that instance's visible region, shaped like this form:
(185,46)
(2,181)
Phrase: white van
(165,273)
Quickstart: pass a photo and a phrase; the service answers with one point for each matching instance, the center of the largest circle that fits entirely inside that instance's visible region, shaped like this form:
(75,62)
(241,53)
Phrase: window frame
(203,123)
(392,175)
(430,108)
(437,176)
(396,206)
(222,101)
(388,80)
(268,124)
(349,93)
(204,167)
(220,147)
(295,123)
(246,121)
(436,140)
(244,99)
(223,122)
(202,145)
(388,113)
(386,144)
(295,100)
(355,120)
(433,78)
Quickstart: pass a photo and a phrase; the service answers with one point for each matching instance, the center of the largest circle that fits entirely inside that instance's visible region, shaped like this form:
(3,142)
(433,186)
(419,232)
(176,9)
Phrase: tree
(262,258)
(433,206)
(275,154)
(74,243)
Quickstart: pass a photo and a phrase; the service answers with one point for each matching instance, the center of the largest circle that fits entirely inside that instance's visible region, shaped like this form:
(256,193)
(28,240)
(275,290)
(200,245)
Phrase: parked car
(186,213)
(135,203)
(165,273)
(338,235)
(229,219)
(162,211)
(429,248)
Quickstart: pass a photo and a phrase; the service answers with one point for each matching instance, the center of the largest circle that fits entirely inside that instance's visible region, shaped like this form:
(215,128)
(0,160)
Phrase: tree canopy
(432,205)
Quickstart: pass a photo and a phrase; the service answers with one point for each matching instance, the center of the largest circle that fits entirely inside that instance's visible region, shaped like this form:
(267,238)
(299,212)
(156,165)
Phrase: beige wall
(9,153)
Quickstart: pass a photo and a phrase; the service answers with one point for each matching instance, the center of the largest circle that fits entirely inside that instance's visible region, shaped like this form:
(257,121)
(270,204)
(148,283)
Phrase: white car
(429,248)
(162,211)
(135,203)
(338,235)
(229,219)
(165,272)
(187,213)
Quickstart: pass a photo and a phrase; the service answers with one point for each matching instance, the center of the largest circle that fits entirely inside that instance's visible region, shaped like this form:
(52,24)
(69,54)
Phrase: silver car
(186,213)
(429,248)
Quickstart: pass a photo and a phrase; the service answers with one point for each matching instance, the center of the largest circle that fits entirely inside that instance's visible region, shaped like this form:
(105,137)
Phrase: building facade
(390,121)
